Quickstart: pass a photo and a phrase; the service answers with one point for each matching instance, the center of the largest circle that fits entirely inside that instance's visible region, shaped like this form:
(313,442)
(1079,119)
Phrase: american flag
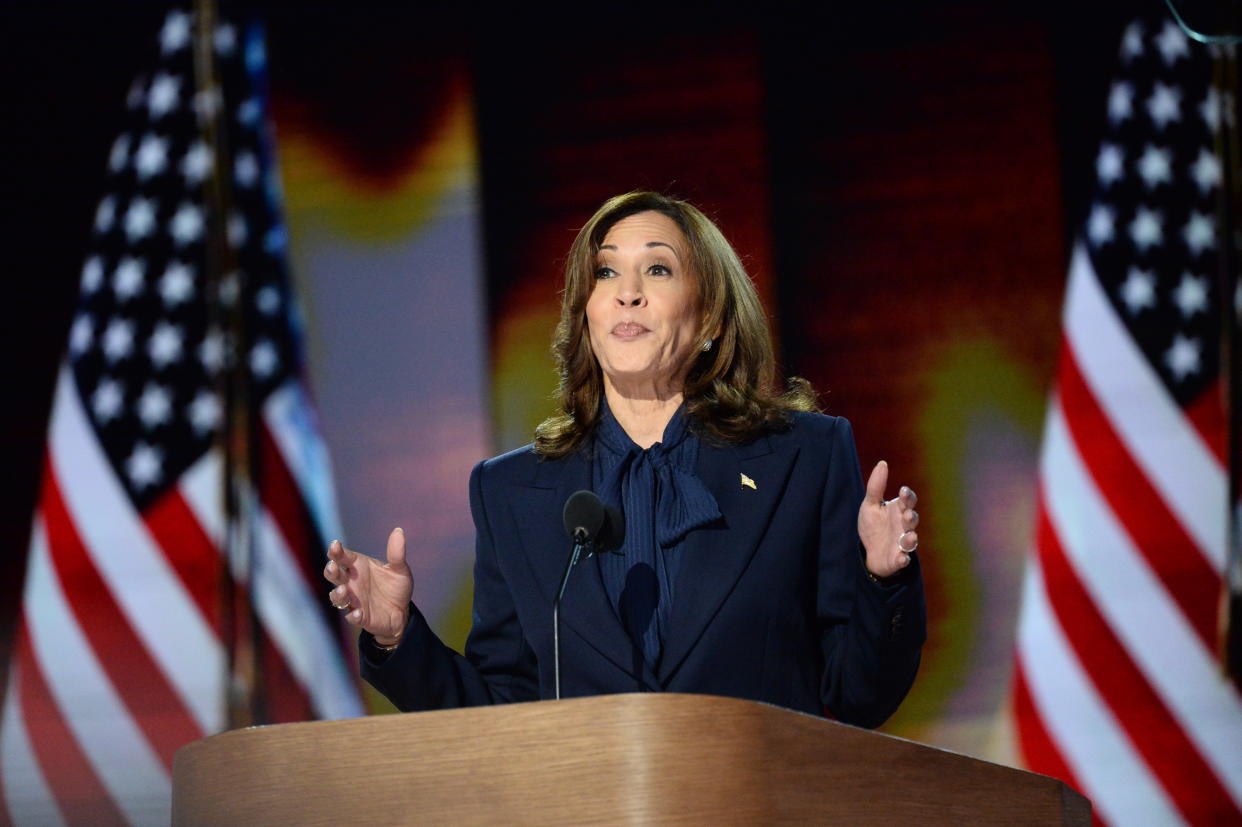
(142,626)
(1119,689)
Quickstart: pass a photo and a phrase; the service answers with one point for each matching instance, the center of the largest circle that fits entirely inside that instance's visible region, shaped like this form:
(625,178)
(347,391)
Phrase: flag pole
(240,627)
(1225,78)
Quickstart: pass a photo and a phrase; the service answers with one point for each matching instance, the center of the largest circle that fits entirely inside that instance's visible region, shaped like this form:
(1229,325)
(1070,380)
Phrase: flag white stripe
(1137,608)
(101,724)
(288,610)
(290,418)
(1079,722)
(1173,456)
(202,487)
(163,614)
(27,797)
(294,619)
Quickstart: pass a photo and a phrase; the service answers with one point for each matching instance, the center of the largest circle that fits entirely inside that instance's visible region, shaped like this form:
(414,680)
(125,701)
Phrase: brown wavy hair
(729,391)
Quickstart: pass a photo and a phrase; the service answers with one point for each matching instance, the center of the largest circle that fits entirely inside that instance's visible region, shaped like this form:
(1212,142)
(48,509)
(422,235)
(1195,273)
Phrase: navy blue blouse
(662,500)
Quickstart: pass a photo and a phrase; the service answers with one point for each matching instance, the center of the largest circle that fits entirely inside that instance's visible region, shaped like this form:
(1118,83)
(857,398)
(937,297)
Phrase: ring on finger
(344,607)
(901,543)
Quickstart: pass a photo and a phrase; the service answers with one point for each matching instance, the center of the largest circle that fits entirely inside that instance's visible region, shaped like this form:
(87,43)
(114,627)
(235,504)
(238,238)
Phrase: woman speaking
(754,564)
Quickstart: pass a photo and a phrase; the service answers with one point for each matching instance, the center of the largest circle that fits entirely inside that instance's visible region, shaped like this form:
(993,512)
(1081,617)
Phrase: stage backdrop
(382,195)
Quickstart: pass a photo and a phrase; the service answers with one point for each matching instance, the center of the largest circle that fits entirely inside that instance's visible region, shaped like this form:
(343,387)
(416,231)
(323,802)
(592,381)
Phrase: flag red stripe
(79,793)
(151,700)
(192,554)
(1142,513)
(287,700)
(1188,779)
(1039,751)
(282,498)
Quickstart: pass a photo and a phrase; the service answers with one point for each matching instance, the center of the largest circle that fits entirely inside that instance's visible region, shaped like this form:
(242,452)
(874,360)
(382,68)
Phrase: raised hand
(373,595)
(886,528)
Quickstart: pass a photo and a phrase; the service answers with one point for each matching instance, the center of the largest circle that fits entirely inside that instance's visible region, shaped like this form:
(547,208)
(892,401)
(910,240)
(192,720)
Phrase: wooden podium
(637,759)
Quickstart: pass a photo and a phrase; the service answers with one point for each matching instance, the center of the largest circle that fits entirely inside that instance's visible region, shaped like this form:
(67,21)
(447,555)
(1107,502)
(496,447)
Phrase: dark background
(870,161)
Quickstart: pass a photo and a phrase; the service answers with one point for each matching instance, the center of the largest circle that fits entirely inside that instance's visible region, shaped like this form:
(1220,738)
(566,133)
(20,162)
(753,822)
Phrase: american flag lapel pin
(747,482)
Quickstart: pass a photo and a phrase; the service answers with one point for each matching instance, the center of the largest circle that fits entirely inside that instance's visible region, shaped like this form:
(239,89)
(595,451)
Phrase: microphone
(596,526)
(593,527)
(583,516)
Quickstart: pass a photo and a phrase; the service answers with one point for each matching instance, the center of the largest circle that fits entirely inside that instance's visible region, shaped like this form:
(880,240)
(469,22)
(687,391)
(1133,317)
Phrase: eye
(605,273)
(659,270)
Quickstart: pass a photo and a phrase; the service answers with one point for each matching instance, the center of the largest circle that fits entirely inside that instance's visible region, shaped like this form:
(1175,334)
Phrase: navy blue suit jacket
(773,601)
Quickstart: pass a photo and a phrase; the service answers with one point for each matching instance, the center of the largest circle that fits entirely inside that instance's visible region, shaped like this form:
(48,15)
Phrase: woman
(754,565)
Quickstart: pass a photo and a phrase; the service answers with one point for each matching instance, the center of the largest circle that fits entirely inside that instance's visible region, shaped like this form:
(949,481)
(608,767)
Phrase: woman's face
(641,314)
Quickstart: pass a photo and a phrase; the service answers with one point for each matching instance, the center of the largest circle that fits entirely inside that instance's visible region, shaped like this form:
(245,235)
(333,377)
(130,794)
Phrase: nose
(630,292)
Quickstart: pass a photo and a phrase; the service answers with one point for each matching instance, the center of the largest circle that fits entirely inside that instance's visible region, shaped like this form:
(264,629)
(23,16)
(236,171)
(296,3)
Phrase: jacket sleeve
(871,634)
(498,667)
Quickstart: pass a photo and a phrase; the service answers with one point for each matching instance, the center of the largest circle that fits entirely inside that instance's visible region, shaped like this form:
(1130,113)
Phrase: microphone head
(584,515)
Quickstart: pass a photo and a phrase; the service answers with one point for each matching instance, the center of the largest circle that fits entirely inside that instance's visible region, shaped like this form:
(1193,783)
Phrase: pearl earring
(707,345)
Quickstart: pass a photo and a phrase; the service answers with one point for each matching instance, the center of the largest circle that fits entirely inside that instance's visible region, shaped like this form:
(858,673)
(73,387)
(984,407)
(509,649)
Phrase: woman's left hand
(887,528)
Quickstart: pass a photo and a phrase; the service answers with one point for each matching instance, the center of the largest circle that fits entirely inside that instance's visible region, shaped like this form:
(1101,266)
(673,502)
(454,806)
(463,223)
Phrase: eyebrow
(650,244)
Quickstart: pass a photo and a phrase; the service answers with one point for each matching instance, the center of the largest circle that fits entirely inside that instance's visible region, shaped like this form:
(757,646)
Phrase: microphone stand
(582,541)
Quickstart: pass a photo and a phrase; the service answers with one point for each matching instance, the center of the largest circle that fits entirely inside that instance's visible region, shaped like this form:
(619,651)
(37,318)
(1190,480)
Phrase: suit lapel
(586,608)
(715,556)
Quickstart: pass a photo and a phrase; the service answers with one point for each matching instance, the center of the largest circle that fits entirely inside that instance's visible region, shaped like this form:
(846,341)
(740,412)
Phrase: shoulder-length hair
(729,390)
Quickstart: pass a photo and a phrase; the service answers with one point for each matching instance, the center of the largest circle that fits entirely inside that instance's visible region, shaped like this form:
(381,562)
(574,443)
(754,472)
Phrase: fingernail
(402,530)
(883,462)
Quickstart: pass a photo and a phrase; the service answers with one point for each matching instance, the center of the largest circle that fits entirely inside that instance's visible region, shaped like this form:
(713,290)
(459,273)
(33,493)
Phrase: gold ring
(344,608)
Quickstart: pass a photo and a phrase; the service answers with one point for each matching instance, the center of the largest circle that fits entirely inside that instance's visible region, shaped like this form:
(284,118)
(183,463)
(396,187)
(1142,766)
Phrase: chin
(630,366)
(628,374)
(645,375)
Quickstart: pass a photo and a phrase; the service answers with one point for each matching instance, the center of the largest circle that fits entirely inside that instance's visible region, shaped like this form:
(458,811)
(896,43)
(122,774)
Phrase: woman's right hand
(373,595)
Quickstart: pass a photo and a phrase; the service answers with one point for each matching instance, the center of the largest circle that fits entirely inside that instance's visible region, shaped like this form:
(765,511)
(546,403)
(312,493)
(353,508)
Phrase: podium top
(663,758)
